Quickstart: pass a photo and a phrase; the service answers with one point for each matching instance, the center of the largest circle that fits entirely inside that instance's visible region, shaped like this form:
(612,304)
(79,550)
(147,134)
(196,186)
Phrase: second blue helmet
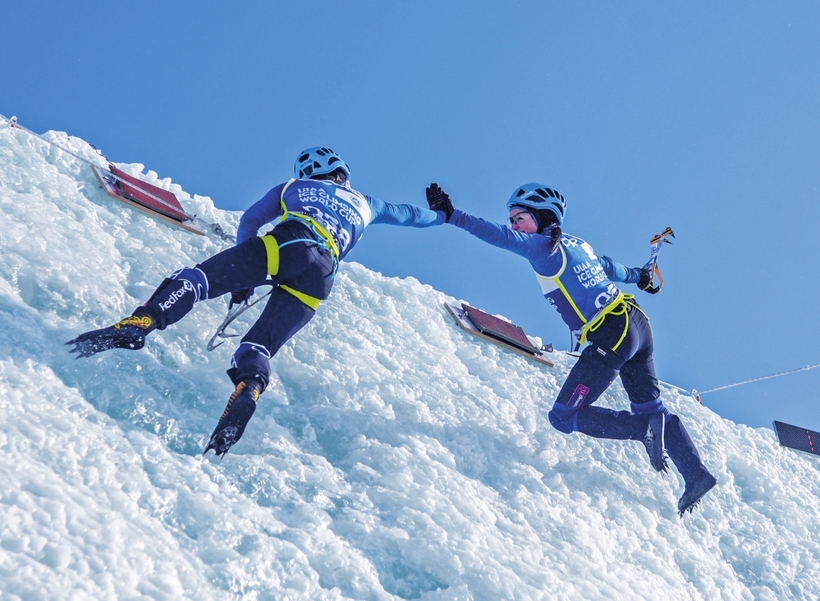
(318,161)
(538,196)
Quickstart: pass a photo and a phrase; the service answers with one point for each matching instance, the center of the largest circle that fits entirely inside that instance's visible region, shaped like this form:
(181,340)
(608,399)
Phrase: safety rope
(697,394)
(782,373)
(162,201)
(14,124)
(216,228)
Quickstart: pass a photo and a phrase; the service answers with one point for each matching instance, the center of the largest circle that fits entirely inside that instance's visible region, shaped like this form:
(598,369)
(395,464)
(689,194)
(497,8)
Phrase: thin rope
(697,394)
(113,175)
(782,373)
(215,227)
(17,125)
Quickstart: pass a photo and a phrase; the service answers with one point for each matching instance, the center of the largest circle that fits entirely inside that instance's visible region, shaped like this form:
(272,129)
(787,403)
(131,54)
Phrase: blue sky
(702,117)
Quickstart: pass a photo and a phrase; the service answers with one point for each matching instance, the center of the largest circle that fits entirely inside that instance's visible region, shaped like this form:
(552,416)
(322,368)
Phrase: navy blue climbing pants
(287,258)
(621,345)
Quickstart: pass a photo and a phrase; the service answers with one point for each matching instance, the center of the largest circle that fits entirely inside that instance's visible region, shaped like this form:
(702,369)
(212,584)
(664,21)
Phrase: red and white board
(502,333)
(155,201)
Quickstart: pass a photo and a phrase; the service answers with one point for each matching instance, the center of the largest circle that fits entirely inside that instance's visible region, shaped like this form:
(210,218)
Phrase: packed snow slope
(392,457)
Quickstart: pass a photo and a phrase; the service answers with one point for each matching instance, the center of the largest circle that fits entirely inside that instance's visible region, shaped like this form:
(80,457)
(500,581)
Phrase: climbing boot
(695,491)
(237,413)
(128,333)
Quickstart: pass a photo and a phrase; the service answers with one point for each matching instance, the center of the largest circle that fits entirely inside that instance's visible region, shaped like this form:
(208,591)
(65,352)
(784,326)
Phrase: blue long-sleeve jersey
(579,284)
(340,210)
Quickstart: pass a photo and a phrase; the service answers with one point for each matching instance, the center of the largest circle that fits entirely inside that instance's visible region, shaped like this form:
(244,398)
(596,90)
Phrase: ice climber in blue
(317,218)
(582,287)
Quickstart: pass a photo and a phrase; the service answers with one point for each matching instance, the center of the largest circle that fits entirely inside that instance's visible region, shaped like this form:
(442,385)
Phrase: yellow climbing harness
(272,249)
(310,301)
(619,307)
(323,237)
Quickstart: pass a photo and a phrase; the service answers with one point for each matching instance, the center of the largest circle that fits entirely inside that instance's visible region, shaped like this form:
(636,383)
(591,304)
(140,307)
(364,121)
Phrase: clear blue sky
(644,114)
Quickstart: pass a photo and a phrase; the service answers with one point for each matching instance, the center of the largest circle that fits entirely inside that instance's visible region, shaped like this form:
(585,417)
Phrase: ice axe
(656,243)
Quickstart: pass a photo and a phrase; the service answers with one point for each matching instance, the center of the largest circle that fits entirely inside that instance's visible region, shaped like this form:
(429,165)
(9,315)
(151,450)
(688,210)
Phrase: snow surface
(393,456)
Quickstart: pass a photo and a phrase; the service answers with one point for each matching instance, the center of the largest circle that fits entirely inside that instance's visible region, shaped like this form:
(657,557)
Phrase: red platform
(497,331)
(144,196)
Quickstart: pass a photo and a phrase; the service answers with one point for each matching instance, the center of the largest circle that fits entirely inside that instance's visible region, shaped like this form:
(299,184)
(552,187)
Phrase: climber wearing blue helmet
(316,218)
(583,288)
(314,162)
(537,198)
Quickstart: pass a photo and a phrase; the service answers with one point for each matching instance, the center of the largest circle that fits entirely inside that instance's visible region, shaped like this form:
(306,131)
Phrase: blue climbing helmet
(318,161)
(537,197)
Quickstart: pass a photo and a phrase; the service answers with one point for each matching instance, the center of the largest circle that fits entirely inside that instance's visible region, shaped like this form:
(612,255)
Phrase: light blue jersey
(579,289)
(576,282)
(341,211)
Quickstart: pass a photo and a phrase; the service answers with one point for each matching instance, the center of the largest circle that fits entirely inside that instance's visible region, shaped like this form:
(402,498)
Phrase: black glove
(439,200)
(645,283)
(240,296)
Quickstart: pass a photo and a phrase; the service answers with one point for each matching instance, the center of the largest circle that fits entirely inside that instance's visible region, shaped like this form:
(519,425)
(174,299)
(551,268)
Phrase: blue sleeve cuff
(617,272)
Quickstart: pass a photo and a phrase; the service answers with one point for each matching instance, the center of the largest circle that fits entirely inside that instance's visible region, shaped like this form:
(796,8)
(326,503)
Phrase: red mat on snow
(153,197)
(511,333)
